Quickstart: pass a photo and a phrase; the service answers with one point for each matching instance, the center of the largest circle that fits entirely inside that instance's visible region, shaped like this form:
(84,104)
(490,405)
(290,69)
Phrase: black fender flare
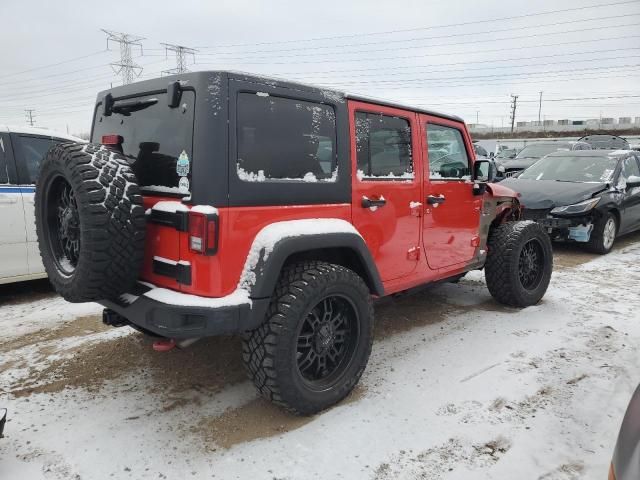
(267,271)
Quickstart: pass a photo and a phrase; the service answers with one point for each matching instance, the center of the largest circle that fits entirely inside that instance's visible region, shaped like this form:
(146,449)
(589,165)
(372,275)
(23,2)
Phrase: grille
(535,214)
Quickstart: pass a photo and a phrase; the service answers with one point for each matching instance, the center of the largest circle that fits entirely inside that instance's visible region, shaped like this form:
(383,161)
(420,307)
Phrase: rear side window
(4,159)
(156,139)
(383,147)
(283,139)
(448,157)
(30,152)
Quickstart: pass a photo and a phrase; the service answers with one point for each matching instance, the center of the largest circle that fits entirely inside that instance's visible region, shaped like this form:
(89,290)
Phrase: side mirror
(633,181)
(484,171)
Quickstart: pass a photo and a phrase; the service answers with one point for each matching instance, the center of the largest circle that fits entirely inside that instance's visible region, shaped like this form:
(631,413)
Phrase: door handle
(435,200)
(373,202)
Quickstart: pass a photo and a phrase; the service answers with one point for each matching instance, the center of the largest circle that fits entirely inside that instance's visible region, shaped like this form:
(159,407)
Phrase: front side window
(383,147)
(31,151)
(448,159)
(283,139)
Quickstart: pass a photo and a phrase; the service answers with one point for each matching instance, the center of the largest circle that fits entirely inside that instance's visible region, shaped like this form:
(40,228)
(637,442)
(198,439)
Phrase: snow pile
(259,176)
(170,207)
(164,295)
(267,238)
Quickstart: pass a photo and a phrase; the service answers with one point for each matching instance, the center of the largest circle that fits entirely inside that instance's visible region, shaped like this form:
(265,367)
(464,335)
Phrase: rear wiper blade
(125,108)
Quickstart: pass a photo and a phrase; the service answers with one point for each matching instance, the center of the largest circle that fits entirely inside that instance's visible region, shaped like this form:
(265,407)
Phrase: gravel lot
(458,387)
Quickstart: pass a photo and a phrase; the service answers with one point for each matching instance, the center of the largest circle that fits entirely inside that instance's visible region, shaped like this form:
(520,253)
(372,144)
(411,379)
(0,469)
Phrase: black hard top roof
(202,77)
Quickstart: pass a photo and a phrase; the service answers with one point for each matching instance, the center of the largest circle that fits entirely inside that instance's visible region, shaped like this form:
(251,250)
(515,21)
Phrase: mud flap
(3,420)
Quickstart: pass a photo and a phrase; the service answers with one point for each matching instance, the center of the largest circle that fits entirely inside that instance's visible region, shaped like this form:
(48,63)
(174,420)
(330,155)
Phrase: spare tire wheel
(90,222)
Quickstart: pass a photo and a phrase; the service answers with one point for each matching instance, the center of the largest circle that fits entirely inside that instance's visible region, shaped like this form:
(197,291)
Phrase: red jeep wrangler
(218,203)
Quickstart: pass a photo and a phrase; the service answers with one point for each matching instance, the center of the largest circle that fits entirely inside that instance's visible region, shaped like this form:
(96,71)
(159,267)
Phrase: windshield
(572,169)
(540,150)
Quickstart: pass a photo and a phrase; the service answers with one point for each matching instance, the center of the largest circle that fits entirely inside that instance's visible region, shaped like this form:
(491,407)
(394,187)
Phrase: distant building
(564,122)
(637,121)
(608,121)
(624,120)
(522,124)
(549,123)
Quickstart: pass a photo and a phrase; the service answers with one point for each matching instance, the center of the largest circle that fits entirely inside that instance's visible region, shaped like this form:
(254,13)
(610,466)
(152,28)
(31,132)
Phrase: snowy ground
(458,387)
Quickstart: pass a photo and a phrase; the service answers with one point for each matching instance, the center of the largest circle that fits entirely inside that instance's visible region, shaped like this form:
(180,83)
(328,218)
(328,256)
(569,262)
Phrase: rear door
(13,238)
(157,140)
(452,212)
(631,204)
(386,186)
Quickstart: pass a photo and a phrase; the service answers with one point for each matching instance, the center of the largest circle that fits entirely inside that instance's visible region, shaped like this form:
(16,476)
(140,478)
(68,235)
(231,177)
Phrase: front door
(386,185)
(452,212)
(13,237)
(630,218)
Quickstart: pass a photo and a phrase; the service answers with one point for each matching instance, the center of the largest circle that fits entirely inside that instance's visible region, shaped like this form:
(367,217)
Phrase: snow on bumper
(167,313)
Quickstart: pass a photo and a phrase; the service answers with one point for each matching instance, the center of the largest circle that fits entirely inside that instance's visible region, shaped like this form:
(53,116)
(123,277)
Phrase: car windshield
(595,169)
(541,149)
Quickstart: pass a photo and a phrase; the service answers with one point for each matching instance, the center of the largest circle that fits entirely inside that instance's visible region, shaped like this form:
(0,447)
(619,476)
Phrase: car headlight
(501,169)
(581,207)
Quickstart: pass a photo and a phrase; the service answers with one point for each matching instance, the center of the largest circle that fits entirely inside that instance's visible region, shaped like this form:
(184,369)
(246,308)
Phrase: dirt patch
(569,255)
(206,367)
(254,420)
(80,326)
(395,315)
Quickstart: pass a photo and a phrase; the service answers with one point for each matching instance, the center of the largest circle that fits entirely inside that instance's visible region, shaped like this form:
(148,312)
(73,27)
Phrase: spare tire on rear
(90,222)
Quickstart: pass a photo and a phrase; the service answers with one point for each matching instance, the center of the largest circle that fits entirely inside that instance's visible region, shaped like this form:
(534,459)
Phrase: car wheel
(90,222)
(519,263)
(604,234)
(316,341)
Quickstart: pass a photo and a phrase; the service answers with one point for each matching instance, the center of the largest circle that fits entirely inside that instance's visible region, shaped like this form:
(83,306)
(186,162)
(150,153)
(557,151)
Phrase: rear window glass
(31,150)
(157,141)
(283,139)
(383,147)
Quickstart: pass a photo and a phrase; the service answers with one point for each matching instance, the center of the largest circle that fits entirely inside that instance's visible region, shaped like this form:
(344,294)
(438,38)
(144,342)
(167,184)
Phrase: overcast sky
(412,51)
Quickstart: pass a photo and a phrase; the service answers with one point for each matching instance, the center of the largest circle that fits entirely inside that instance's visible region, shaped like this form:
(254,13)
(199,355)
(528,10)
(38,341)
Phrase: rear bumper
(185,321)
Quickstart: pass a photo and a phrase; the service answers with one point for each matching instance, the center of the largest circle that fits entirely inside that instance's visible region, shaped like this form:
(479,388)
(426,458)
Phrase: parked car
(481,152)
(532,153)
(605,142)
(625,464)
(590,196)
(212,190)
(21,152)
(506,154)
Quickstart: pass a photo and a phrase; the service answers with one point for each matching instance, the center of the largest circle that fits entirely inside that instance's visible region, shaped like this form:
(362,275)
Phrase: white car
(21,151)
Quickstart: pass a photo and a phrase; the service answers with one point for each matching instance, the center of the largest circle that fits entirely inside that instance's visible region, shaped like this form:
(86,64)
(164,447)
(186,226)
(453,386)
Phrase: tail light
(203,233)
(111,140)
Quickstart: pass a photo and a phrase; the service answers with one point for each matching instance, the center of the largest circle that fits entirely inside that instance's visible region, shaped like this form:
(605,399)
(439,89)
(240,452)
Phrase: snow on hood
(543,194)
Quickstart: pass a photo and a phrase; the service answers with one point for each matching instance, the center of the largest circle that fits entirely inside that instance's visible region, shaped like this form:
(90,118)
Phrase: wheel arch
(346,249)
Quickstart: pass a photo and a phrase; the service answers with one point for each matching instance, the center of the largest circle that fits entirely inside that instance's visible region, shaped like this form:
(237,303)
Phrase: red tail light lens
(203,233)
(111,140)
(197,232)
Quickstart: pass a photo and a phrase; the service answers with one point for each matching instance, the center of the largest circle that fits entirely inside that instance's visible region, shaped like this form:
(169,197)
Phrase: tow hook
(167,344)
(113,319)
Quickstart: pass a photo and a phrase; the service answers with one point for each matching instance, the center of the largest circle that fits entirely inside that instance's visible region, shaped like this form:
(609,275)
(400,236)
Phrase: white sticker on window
(182,165)
(183,184)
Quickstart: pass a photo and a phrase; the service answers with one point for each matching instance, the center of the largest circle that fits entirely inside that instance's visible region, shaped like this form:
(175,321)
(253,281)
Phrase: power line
(126,67)
(53,64)
(448,54)
(181,54)
(435,45)
(415,39)
(463,24)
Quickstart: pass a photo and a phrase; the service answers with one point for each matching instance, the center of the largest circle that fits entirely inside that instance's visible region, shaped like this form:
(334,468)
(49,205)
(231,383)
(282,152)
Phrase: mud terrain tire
(279,355)
(519,263)
(90,222)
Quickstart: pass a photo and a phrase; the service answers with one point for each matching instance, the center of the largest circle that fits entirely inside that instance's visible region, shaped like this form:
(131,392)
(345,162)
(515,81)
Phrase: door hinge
(413,253)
